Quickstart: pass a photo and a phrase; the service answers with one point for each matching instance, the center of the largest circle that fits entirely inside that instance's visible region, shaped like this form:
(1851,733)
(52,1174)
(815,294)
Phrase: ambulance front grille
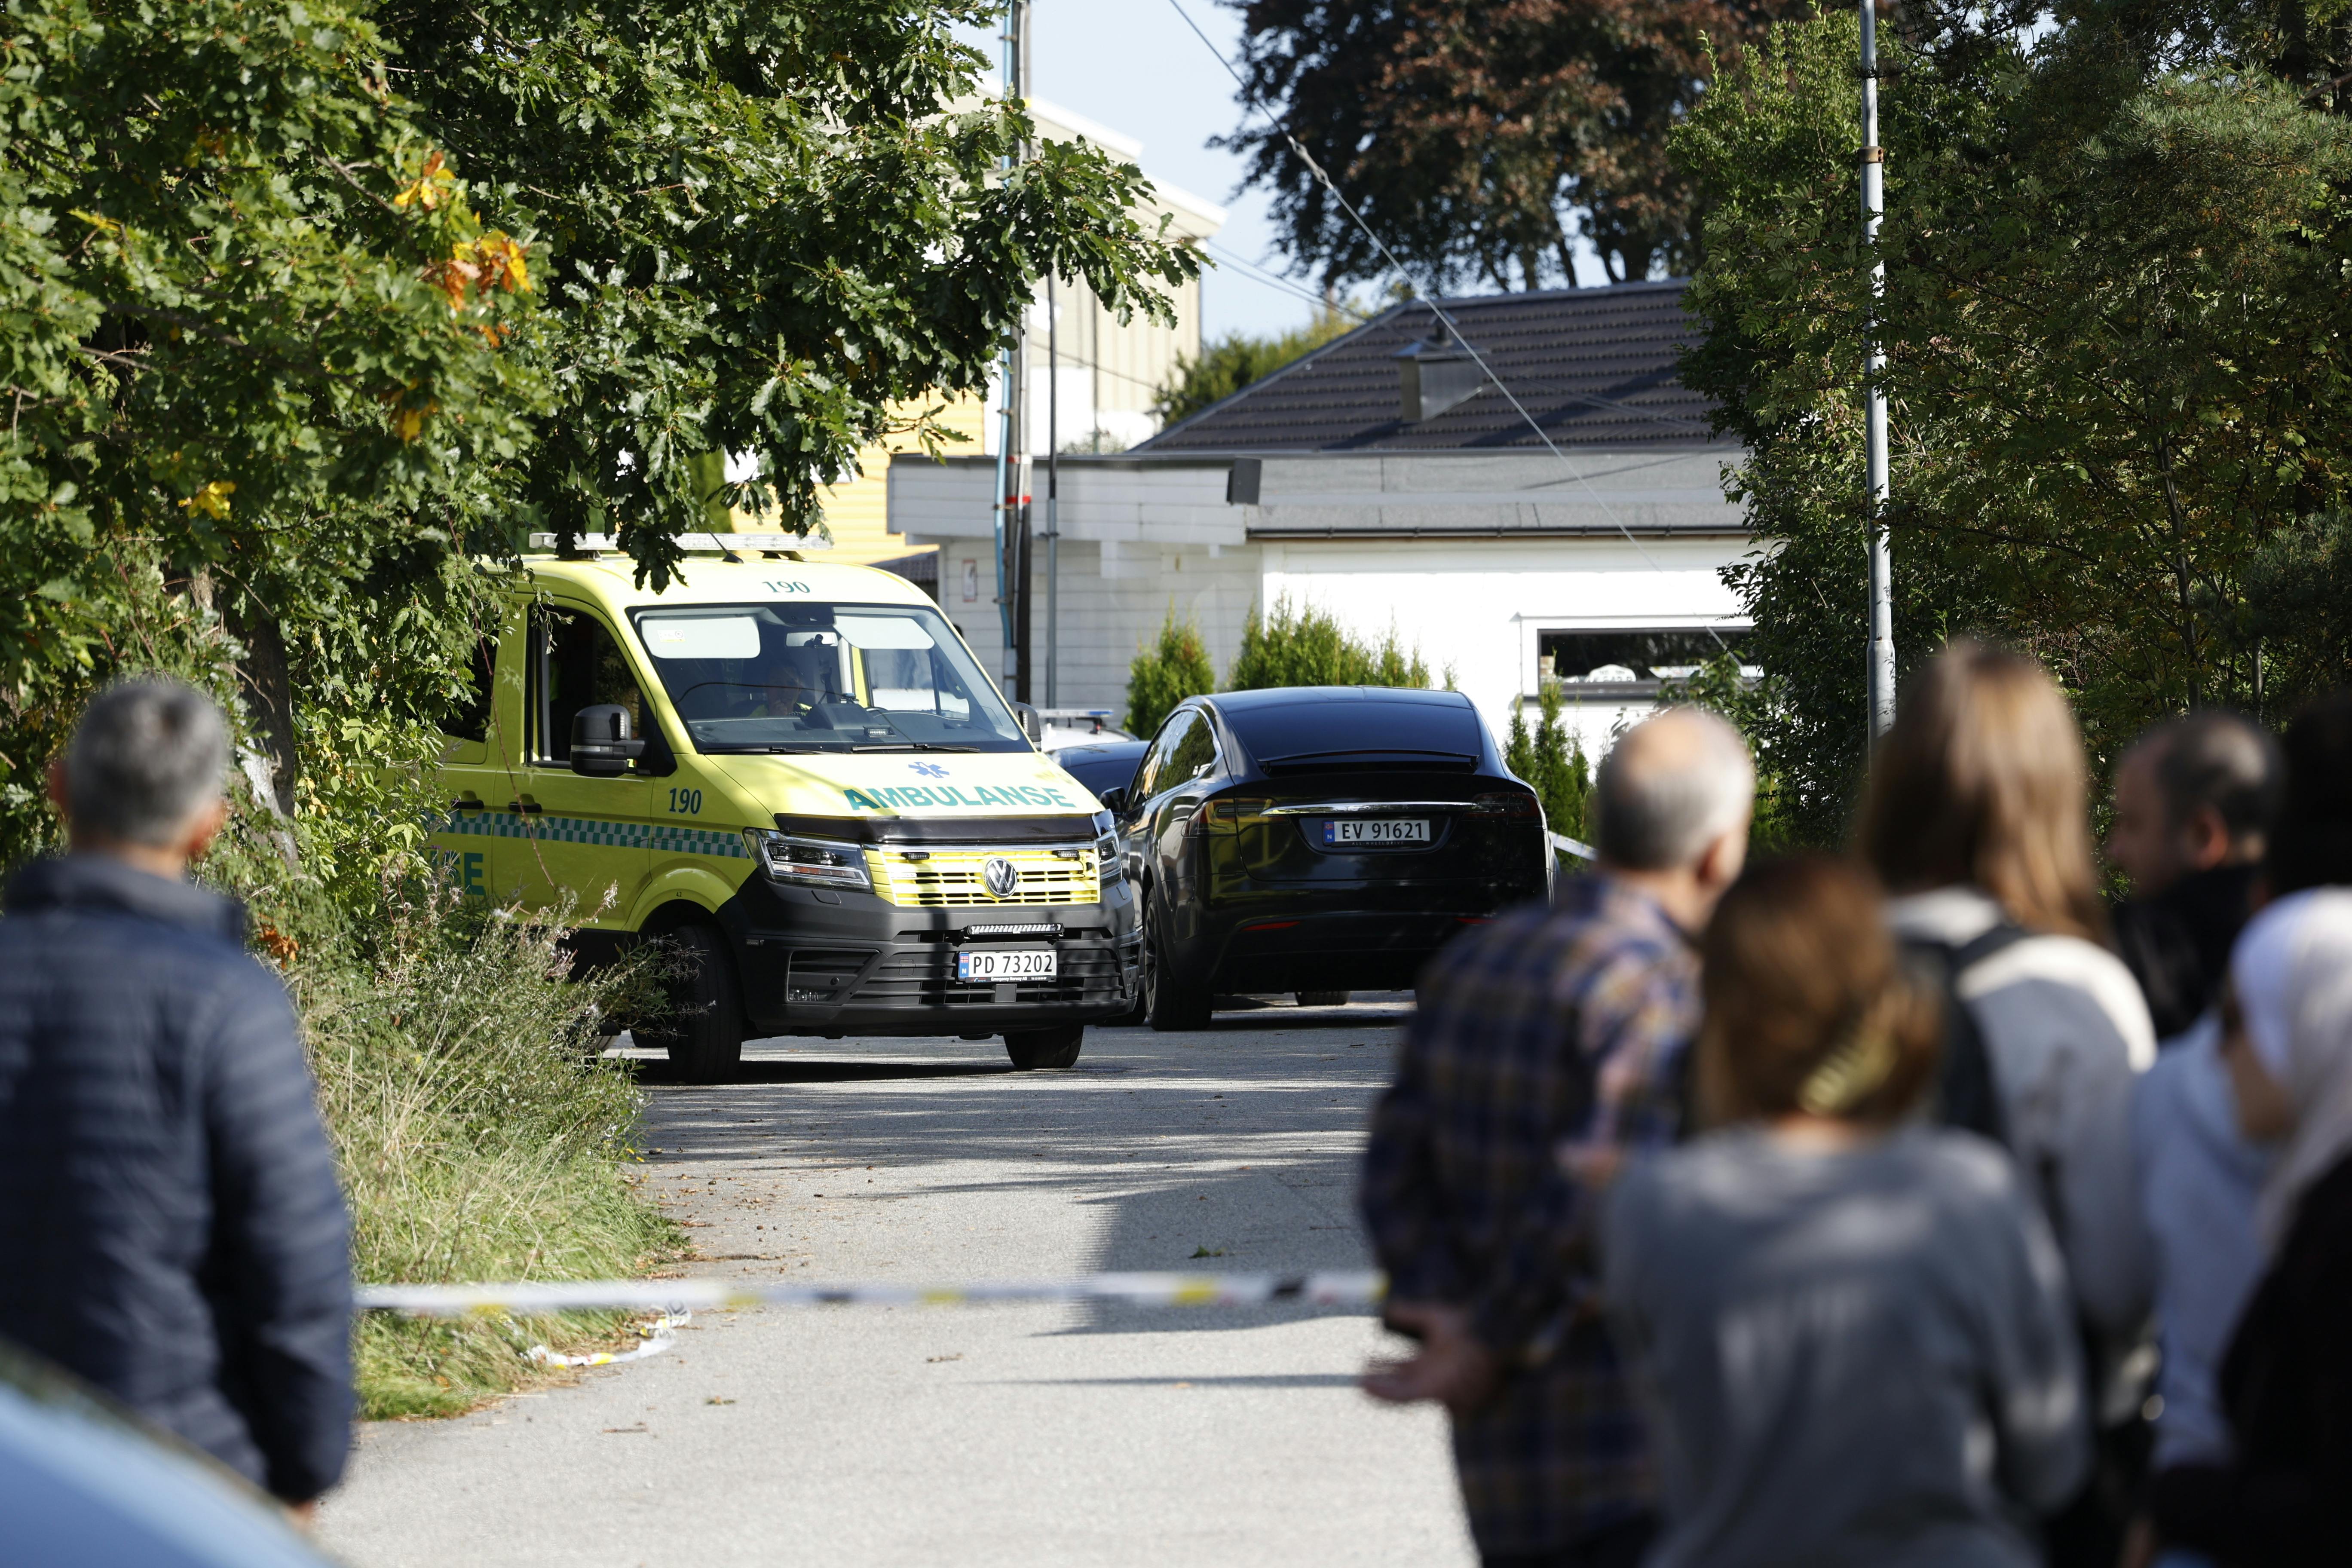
(958,878)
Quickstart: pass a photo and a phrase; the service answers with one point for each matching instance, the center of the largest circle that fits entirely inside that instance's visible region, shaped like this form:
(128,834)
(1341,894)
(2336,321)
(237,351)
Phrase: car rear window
(1344,726)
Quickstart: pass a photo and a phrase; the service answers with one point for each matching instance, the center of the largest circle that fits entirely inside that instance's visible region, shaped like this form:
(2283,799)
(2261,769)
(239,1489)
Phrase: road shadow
(1232,1150)
(652,1071)
(1260,1380)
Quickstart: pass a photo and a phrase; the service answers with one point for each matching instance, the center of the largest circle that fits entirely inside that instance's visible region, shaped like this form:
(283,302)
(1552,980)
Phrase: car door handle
(467,805)
(524,806)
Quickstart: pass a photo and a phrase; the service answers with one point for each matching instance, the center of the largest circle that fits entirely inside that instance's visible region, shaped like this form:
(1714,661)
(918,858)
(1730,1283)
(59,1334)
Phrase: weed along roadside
(481,1131)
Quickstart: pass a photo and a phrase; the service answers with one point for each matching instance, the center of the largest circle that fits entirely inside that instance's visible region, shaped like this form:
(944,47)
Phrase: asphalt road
(1029,1436)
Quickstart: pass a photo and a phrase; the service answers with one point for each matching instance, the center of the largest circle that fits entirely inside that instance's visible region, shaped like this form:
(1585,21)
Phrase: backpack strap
(1967,1093)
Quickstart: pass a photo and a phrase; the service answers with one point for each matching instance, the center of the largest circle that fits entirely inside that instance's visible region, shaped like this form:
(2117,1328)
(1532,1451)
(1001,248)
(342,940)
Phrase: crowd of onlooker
(1912,1206)
(1915,1206)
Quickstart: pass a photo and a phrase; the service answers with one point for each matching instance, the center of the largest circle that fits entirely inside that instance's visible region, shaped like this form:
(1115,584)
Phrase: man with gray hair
(1546,1044)
(171,1229)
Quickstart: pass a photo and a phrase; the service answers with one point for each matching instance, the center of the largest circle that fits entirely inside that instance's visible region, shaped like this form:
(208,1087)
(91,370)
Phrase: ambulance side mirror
(601,746)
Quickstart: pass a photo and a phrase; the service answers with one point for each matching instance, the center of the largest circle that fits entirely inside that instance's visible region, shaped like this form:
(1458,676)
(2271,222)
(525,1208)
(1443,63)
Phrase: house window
(1630,662)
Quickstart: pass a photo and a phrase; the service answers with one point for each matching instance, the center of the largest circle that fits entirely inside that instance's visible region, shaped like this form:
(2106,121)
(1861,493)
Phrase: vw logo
(1002,877)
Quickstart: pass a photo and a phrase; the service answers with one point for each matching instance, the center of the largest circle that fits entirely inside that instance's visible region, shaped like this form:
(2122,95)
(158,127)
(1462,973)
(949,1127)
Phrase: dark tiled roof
(1594,366)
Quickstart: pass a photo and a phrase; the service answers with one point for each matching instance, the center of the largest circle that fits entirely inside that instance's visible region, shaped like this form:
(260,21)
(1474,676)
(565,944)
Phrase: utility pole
(1052,489)
(1012,526)
(1882,557)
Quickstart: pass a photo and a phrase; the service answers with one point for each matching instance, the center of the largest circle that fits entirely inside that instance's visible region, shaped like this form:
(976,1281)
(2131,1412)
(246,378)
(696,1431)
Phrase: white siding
(1141,538)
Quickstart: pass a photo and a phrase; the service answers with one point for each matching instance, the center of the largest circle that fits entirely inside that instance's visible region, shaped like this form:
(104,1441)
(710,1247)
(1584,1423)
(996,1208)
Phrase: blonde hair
(1981,781)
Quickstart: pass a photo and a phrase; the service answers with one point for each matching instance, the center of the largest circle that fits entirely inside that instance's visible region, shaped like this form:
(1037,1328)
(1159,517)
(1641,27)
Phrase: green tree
(1297,645)
(254,331)
(1556,766)
(1480,138)
(1174,668)
(2299,611)
(305,304)
(1721,687)
(1238,360)
(771,226)
(2111,390)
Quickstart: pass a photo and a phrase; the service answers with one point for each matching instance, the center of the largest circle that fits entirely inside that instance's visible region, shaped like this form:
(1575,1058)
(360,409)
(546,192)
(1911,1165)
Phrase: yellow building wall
(858,511)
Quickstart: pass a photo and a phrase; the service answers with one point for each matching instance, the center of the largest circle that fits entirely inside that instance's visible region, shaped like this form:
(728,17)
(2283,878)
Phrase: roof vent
(1435,374)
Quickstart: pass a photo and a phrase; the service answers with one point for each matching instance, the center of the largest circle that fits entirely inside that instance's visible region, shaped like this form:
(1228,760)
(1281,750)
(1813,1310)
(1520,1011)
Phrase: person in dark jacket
(171,1228)
(2194,798)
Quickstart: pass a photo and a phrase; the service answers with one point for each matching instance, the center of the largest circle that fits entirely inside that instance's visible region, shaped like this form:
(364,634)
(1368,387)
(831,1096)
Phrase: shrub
(1719,686)
(1174,668)
(478,1129)
(1552,762)
(1306,646)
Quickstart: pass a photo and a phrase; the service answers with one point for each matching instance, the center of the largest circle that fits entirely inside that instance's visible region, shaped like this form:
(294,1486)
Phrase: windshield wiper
(761,751)
(915,746)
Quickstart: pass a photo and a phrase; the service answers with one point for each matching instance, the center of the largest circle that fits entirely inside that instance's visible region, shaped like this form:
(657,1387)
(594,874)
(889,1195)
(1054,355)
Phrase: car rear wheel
(1055,1047)
(1321,998)
(704,1031)
(1168,1003)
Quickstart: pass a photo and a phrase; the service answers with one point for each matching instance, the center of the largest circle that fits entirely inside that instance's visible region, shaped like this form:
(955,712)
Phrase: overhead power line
(1250,98)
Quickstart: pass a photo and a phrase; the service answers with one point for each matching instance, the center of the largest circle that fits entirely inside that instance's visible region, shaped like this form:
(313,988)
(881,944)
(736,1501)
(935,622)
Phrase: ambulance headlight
(811,862)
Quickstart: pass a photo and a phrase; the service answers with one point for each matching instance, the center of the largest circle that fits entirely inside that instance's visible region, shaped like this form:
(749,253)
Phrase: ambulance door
(587,838)
(475,777)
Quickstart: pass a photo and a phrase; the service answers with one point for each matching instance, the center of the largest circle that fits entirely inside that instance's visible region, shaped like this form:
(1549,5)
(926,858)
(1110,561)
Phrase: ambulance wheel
(1321,998)
(1055,1047)
(1168,1004)
(705,1029)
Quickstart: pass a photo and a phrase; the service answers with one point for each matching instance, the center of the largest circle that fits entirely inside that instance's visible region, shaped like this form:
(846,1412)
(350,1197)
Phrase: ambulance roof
(704,580)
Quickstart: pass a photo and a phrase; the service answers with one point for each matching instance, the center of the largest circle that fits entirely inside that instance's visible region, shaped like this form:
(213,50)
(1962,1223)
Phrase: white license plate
(1377,830)
(1006,963)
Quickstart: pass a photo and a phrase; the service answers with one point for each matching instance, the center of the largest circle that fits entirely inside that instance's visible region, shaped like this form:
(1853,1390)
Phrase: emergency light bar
(731,544)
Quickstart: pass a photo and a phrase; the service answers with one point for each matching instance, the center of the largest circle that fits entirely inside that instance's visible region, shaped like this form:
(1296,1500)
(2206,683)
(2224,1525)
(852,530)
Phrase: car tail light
(1226,813)
(1517,805)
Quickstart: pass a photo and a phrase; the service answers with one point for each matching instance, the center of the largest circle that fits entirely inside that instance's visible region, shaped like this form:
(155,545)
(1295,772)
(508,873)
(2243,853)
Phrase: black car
(1102,764)
(1318,839)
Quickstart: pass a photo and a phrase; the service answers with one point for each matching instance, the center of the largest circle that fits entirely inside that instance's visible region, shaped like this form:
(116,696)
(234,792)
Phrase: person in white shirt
(1978,820)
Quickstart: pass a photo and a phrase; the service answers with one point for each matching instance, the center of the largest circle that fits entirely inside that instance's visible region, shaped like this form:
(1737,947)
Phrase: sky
(1136,67)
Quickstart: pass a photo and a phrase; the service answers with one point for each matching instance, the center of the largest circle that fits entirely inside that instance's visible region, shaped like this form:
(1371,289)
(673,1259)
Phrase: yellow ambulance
(798,774)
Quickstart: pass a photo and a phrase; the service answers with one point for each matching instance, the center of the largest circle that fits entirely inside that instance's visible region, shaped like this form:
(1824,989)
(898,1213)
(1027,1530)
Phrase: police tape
(678,1297)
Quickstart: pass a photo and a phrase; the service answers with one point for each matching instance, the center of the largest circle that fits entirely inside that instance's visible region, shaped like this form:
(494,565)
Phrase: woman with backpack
(1851,1328)
(1978,822)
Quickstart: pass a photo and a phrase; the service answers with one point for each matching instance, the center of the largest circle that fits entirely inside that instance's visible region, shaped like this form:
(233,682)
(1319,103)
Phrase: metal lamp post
(1882,557)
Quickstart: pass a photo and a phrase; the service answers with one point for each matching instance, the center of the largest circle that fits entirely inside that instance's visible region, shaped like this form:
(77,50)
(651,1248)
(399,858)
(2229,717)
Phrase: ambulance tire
(705,1034)
(1055,1047)
(1168,1003)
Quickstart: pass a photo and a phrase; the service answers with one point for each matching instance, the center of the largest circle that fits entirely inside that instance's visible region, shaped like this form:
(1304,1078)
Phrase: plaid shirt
(1548,1041)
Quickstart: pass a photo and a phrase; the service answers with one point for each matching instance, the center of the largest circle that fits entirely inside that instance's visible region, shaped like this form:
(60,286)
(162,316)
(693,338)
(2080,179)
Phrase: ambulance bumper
(816,962)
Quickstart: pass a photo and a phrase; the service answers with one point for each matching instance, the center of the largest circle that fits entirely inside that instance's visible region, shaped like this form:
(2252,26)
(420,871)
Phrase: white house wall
(1468,558)
(1477,606)
(1110,608)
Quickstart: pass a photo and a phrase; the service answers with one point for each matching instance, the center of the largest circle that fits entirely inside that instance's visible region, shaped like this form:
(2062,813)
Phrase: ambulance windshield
(825,677)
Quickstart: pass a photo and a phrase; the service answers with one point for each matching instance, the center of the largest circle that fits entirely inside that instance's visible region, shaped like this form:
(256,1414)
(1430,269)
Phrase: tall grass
(480,1133)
